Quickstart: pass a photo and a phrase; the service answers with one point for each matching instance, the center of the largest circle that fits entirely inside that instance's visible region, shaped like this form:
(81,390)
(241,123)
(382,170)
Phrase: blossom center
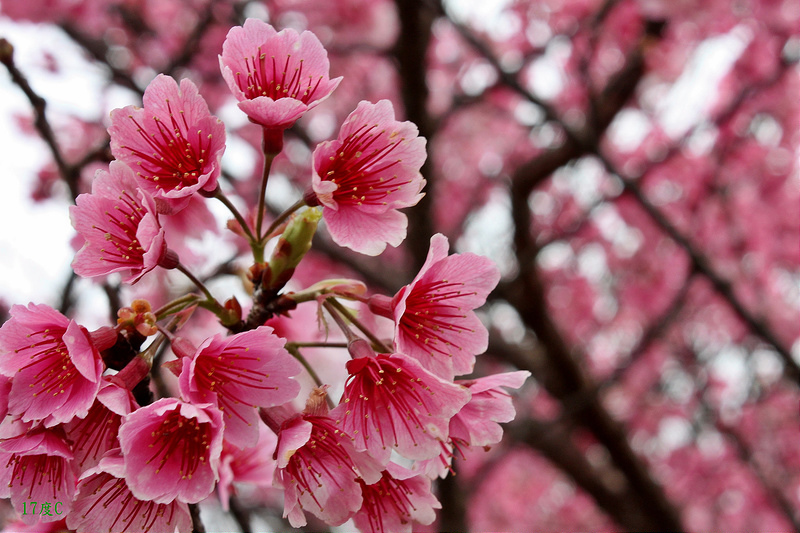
(113,492)
(361,168)
(34,471)
(175,156)
(50,363)
(381,386)
(184,442)
(123,222)
(264,77)
(321,456)
(388,495)
(430,314)
(223,373)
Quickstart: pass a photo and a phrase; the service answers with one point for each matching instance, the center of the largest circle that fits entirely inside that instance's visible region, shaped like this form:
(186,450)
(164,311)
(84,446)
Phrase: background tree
(632,166)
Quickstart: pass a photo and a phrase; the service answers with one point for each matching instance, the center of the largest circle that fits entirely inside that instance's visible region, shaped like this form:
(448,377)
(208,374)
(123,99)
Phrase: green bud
(291,248)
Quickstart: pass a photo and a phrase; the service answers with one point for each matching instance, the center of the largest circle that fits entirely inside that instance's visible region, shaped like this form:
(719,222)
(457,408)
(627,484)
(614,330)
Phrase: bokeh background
(631,166)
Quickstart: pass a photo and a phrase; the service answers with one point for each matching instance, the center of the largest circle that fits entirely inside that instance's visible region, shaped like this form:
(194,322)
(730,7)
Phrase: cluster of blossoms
(81,436)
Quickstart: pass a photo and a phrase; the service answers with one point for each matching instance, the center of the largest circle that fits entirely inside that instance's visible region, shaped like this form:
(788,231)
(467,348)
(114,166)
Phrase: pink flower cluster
(80,434)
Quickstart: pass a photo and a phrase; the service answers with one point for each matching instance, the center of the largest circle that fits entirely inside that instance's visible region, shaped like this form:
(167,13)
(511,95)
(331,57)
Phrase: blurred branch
(190,47)
(618,91)
(451,496)
(99,50)
(606,488)
(526,294)
(240,513)
(411,52)
(746,454)
(69,174)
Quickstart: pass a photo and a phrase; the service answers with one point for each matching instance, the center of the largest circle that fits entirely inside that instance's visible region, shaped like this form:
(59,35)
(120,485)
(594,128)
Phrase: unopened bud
(292,247)
(138,317)
(232,313)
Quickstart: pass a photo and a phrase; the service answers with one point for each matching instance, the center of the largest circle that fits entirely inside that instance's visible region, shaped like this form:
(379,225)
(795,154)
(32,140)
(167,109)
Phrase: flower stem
(219,195)
(281,219)
(316,345)
(337,317)
(209,297)
(268,158)
(377,343)
(179,304)
(292,348)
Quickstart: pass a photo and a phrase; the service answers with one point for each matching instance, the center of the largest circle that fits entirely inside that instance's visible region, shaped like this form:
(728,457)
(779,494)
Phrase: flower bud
(291,248)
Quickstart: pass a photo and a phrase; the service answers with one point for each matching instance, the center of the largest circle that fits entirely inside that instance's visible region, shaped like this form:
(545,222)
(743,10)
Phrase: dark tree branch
(68,173)
(411,51)
(98,50)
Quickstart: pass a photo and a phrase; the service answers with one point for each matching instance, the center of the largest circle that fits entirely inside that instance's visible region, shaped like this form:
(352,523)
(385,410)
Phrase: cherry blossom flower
(172,450)
(254,465)
(120,226)
(94,435)
(363,177)
(38,468)
(105,504)
(400,497)
(478,422)
(319,468)
(434,321)
(174,143)
(275,76)
(238,374)
(391,402)
(55,369)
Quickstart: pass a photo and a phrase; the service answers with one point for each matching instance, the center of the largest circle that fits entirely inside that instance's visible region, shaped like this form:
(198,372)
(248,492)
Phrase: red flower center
(120,232)
(185,437)
(361,167)
(50,363)
(429,314)
(222,373)
(178,155)
(137,515)
(265,78)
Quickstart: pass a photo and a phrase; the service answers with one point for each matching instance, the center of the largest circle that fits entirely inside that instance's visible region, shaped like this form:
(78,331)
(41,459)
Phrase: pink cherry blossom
(120,227)
(174,143)
(275,76)
(393,503)
(363,177)
(94,435)
(254,465)
(54,367)
(434,321)
(319,468)
(239,374)
(391,402)
(38,468)
(477,423)
(172,450)
(105,504)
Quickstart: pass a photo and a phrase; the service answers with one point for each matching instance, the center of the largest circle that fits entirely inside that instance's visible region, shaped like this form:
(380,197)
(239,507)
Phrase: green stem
(235,212)
(292,348)
(281,219)
(211,303)
(332,303)
(179,304)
